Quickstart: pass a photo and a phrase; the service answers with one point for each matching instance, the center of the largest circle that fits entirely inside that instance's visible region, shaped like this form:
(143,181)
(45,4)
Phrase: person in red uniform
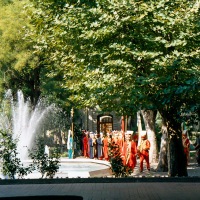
(186,145)
(143,151)
(129,151)
(135,138)
(85,145)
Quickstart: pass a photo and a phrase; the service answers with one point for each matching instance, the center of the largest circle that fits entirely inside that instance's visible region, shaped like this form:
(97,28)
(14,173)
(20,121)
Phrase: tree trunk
(163,161)
(177,163)
(149,117)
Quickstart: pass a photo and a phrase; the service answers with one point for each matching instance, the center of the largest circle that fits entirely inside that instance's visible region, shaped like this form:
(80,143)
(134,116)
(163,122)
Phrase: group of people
(99,146)
(186,147)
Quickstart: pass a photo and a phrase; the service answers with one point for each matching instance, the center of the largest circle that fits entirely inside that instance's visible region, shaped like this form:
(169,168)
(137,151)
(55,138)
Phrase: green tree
(19,65)
(22,67)
(126,56)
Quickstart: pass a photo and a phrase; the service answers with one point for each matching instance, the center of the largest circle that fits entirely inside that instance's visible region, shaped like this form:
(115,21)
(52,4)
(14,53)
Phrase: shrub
(117,167)
(11,163)
(45,164)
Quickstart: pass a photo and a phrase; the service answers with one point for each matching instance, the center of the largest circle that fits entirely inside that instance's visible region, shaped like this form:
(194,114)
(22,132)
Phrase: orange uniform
(143,150)
(105,148)
(129,154)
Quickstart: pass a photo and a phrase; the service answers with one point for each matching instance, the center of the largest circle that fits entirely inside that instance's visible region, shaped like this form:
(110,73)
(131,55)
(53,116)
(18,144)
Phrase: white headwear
(143,134)
(129,132)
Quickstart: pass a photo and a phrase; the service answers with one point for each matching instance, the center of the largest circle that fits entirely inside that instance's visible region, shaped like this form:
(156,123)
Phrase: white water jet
(26,122)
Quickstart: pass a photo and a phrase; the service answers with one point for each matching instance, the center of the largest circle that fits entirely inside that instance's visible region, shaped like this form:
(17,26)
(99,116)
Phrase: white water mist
(26,121)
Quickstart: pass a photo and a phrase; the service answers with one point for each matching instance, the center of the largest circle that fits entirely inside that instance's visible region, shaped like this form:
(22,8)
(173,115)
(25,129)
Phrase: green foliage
(5,2)
(117,167)
(22,66)
(46,164)
(12,165)
(18,63)
(124,55)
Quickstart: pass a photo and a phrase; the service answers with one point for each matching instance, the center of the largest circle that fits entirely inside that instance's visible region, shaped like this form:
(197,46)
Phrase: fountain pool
(76,168)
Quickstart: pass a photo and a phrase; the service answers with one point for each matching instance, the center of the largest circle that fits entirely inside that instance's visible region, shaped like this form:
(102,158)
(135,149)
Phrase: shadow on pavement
(49,197)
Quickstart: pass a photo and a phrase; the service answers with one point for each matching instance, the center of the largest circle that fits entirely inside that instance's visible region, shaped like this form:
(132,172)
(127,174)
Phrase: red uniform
(85,146)
(186,146)
(135,138)
(129,153)
(143,150)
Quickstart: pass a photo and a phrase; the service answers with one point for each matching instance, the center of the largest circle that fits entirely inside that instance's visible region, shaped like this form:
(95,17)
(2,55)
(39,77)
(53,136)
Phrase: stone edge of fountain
(85,160)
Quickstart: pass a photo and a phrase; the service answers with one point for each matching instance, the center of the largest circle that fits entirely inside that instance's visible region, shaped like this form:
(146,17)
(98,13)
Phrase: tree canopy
(124,55)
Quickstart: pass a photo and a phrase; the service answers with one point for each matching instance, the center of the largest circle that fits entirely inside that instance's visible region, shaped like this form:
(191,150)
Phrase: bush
(12,165)
(117,167)
(45,164)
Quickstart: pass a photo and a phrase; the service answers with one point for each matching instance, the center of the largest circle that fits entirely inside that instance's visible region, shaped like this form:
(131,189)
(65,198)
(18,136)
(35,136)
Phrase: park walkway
(160,190)
(144,186)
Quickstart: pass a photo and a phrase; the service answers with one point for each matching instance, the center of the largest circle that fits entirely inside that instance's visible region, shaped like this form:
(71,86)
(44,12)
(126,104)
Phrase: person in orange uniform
(186,145)
(85,145)
(106,143)
(143,151)
(129,151)
(120,141)
(115,137)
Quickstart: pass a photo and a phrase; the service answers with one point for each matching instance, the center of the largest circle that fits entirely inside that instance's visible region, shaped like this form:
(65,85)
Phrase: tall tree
(19,66)
(127,55)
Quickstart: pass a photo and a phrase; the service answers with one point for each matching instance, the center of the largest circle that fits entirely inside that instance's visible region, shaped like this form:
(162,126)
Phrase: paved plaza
(147,185)
(103,191)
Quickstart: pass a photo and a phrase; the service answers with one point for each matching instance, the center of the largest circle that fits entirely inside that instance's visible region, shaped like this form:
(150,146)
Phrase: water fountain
(24,121)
